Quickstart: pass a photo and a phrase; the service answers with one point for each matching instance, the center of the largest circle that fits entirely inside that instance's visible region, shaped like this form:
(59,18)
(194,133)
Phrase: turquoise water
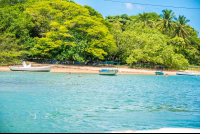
(50,102)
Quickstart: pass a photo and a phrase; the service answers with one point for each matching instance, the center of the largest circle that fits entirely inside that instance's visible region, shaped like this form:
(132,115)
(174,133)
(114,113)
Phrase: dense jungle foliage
(65,30)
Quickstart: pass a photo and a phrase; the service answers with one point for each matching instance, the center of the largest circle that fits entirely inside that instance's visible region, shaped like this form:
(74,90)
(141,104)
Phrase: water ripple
(50,102)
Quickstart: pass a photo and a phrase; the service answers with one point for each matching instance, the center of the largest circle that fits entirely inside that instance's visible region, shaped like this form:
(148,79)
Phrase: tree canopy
(65,30)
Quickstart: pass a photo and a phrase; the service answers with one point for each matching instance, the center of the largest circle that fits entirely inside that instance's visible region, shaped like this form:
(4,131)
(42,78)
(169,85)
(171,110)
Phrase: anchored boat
(161,71)
(29,68)
(188,73)
(108,71)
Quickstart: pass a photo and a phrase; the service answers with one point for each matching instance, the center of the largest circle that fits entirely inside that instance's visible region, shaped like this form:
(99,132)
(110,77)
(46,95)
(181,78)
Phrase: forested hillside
(65,30)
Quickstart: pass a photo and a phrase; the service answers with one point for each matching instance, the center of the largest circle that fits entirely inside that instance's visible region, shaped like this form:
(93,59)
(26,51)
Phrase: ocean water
(35,102)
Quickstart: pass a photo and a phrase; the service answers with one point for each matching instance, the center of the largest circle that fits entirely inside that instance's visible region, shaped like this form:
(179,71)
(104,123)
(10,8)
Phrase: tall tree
(145,18)
(181,28)
(69,31)
(167,20)
(10,51)
(149,45)
(123,19)
(122,39)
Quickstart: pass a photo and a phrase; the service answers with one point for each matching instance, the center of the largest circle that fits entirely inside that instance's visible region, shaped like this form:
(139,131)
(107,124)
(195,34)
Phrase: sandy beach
(58,68)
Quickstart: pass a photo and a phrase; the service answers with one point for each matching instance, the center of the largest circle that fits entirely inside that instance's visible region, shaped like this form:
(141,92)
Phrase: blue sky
(107,7)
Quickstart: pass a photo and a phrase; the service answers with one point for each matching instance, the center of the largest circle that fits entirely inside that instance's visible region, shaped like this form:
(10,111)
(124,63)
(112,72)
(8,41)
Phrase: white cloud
(129,6)
(140,7)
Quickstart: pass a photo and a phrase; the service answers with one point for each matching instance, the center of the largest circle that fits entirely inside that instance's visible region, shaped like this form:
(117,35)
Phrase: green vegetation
(65,30)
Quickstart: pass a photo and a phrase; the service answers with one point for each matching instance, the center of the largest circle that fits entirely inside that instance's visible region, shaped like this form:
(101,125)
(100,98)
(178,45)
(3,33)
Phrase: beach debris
(80,76)
(69,72)
(68,77)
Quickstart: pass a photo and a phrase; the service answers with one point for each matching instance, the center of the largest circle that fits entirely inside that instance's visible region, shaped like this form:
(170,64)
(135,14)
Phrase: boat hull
(108,72)
(188,73)
(31,69)
(159,73)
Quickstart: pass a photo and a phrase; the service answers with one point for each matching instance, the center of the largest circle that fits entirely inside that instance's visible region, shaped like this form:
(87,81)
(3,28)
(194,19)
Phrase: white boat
(29,68)
(188,73)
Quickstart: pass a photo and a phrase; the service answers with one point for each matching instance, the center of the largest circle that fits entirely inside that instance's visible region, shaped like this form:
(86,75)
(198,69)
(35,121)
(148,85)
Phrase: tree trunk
(117,51)
(114,56)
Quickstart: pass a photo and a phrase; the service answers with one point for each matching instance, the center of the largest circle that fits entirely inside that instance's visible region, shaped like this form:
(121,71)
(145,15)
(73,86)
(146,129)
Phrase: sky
(190,8)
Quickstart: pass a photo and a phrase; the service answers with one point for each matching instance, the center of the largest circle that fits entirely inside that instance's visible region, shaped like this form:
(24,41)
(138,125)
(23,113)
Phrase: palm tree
(145,18)
(167,20)
(155,19)
(182,29)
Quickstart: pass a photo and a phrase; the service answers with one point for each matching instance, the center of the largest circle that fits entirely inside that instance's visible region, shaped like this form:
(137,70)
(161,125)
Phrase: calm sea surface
(50,102)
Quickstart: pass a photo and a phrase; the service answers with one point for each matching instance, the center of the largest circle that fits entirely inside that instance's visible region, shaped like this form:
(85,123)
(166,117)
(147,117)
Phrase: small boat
(31,69)
(112,72)
(108,72)
(159,72)
(188,73)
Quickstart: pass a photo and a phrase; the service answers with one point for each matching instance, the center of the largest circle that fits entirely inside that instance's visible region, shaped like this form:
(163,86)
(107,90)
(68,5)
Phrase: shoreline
(58,68)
